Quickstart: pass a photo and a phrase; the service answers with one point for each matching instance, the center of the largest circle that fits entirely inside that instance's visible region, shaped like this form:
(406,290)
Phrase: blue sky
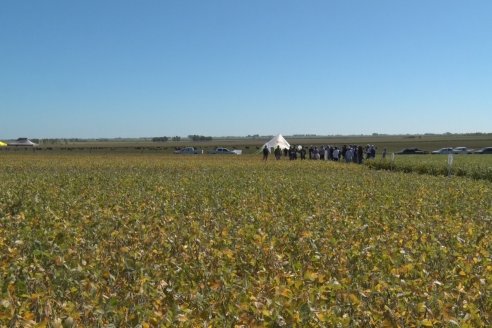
(92,69)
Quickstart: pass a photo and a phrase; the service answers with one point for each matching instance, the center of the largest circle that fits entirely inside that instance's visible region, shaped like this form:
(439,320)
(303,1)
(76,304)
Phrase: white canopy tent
(277,141)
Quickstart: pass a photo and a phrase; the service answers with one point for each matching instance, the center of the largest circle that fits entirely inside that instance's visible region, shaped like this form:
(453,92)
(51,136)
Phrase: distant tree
(195,137)
(160,139)
(176,138)
(52,141)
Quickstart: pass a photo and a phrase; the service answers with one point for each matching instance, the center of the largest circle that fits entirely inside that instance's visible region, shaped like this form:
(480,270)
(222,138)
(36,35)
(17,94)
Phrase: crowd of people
(346,153)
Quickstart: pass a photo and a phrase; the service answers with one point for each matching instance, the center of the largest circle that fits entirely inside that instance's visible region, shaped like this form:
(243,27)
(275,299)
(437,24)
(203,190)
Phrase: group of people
(347,153)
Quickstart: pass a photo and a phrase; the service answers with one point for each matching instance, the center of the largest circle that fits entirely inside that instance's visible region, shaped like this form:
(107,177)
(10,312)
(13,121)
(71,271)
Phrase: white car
(187,151)
(443,151)
(225,151)
(462,150)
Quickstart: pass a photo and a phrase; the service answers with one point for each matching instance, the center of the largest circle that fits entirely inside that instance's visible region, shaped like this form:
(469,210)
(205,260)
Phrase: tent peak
(279,141)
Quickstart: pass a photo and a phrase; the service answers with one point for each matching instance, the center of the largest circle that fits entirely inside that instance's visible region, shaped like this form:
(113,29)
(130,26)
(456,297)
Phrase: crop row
(474,167)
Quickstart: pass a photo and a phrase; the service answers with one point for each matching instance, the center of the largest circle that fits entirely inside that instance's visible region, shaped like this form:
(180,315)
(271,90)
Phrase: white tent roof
(277,141)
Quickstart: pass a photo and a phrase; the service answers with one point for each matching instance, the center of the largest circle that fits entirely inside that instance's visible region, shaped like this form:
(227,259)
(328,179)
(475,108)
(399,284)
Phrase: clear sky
(144,68)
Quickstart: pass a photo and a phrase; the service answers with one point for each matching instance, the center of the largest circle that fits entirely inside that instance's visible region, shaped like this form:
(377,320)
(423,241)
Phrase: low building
(22,142)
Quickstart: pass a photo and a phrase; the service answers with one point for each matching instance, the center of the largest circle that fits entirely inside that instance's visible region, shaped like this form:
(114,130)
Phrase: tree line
(193,137)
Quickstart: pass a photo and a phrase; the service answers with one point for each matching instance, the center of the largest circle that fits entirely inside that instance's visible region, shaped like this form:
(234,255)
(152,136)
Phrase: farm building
(22,142)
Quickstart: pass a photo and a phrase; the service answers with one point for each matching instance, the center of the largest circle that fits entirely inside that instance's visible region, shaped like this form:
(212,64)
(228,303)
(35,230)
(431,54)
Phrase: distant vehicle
(22,142)
(411,151)
(462,150)
(225,151)
(486,150)
(187,151)
(443,151)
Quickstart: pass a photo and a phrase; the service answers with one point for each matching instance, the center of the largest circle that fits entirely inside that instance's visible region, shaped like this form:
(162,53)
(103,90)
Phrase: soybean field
(149,240)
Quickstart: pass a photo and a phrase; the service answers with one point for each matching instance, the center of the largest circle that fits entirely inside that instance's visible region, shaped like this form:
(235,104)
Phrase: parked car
(486,150)
(187,151)
(462,150)
(225,151)
(443,151)
(411,151)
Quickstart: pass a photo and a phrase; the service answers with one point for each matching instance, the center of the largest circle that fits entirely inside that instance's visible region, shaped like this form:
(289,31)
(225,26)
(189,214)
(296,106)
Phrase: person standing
(373,152)
(266,152)
(349,154)
(277,152)
(336,154)
(303,153)
(360,154)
